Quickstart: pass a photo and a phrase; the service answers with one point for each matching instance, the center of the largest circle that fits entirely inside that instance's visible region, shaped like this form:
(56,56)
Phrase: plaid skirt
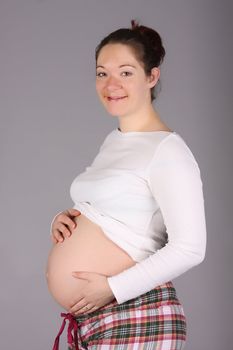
(154,320)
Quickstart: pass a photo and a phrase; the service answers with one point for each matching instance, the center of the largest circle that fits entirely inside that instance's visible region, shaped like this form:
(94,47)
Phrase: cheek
(99,85)
(136,85)
(138,90)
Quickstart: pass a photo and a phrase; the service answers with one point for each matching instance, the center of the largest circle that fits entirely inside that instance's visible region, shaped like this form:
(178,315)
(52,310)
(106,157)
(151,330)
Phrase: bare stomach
(87,249)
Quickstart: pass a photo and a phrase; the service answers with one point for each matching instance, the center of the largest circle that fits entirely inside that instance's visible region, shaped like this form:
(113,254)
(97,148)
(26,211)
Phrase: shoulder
(174,167)
(174,148)
(173,156)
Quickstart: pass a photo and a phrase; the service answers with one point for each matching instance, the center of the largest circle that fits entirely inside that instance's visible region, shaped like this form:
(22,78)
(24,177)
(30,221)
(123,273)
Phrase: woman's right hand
(63,224)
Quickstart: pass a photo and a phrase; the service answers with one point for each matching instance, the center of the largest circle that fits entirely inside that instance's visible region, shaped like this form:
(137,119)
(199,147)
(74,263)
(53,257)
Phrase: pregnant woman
(139,218)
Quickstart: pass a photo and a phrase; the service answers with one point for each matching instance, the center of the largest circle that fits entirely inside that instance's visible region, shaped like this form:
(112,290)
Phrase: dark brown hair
(145,42)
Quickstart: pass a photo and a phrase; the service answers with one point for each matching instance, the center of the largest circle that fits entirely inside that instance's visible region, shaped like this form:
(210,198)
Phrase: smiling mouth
(115,98)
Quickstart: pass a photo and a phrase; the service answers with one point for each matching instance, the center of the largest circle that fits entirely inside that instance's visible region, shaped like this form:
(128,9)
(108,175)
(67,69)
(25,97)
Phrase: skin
(118,74)
(63,225)
(135,112)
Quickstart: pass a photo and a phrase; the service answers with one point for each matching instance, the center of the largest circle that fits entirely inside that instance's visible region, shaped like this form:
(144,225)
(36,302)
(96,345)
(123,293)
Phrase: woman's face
(121,83)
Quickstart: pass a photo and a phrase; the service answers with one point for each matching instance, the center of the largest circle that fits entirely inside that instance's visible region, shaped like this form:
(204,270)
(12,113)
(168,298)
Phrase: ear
(154,77)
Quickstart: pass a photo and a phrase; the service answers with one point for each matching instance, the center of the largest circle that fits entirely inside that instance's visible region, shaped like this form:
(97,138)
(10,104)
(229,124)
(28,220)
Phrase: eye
(99,74)
(127,73)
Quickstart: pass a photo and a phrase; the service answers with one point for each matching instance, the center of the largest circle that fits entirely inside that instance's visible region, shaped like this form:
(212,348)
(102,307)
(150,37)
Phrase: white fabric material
(144,190)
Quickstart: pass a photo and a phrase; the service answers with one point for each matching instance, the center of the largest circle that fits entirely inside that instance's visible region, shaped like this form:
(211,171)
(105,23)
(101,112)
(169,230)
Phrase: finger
(91,309)
(82,310)
(66,220)
(64,230)
(58,235)
(77,307)
(81,275)
(86,310)
(54,240)
(73,212)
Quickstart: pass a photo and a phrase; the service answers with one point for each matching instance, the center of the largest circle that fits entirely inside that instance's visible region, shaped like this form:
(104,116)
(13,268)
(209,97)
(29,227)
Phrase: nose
(112,83)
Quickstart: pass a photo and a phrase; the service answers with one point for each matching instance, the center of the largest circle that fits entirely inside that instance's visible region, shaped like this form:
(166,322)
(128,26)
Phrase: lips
(115,98)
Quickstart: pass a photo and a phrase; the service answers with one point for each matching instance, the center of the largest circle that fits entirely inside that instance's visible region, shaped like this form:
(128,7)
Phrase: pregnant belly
(87,249)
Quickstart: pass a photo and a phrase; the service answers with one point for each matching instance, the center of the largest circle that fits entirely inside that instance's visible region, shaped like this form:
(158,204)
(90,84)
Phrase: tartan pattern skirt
(153,321)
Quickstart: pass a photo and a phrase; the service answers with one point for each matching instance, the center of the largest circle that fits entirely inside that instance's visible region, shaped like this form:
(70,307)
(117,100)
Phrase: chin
(119,111)
(116,113)
(115,108)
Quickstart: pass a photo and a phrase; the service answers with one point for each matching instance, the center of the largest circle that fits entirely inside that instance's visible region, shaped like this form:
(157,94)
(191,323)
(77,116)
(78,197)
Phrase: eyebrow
(122,65)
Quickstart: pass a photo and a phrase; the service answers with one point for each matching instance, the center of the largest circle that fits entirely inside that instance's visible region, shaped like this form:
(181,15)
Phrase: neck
(146,120)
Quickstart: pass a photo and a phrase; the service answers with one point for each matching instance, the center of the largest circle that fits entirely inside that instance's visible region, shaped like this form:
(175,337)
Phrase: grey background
(52,125)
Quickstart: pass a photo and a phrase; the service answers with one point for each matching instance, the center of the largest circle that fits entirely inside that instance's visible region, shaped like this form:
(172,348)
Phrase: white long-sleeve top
(144,190)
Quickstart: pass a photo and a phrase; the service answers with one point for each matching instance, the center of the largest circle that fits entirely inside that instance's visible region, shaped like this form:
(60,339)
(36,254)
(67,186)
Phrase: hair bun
(136,26)
(151,36)
(134,23)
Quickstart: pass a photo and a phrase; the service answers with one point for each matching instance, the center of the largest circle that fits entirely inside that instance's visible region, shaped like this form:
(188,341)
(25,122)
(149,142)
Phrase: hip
(155,320)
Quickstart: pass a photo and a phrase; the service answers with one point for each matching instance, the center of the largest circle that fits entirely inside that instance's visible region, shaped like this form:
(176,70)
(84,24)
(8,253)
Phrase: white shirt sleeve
(175,182)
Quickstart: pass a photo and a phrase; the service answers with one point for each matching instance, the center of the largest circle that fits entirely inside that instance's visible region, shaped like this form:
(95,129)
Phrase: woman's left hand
(94,295)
